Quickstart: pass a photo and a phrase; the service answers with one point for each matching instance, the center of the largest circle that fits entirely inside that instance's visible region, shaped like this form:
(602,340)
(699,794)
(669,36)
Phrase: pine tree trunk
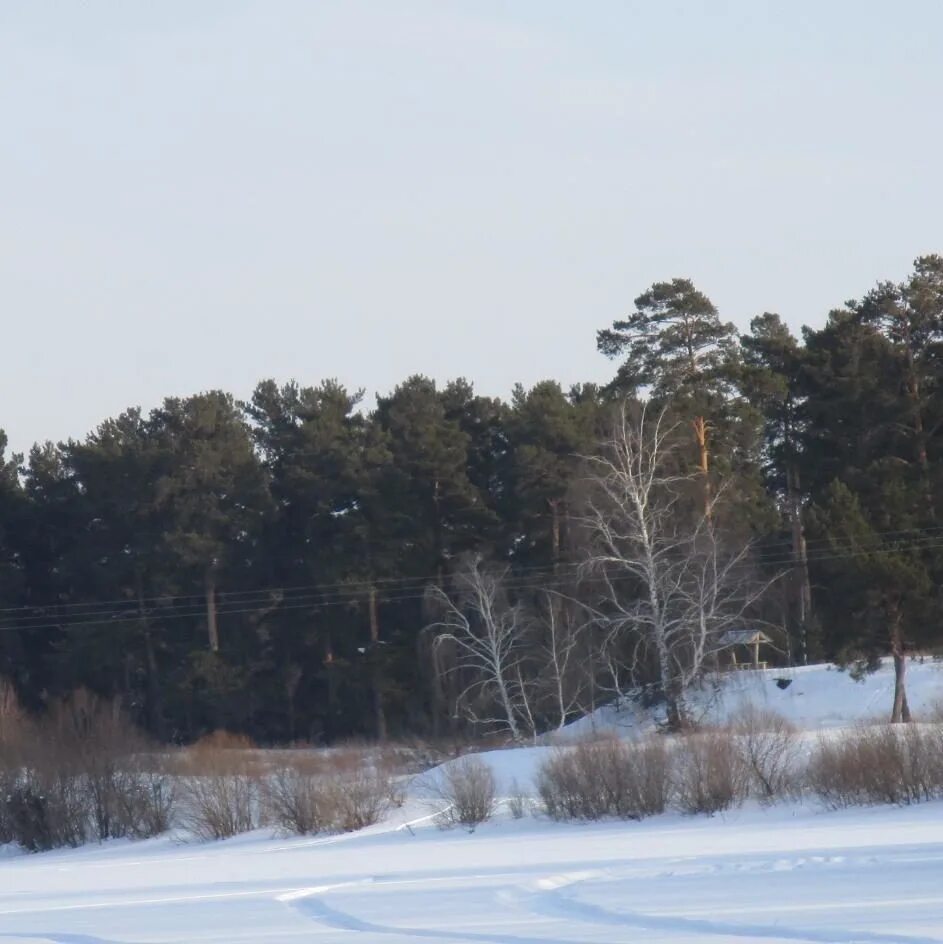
(554,504)
(211,625)
(700,434)
(920,434)
(426,655)
(331,678)
(803,598)
(154,711)
(375,676)
(923,462)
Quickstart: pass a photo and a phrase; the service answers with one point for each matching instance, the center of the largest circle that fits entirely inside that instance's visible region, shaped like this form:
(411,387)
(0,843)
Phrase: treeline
(279,567)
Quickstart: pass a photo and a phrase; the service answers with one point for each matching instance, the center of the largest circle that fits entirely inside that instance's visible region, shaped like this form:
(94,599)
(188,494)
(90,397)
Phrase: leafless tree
(561,640)
(488,635)
(669,582)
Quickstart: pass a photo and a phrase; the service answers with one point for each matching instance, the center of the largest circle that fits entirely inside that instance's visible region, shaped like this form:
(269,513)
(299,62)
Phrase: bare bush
(878,764)
(518,801)
(49,805)
(362,798)
(709,773)
(769,747)
(220,794)
(606,777)
(467,785)
(12,735)
(332,792)
(146,798)
(92,739)
(77,775)
(300,800)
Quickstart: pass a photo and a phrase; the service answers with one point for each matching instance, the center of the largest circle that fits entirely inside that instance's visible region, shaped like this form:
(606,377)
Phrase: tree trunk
(554,504)
(923,462)
(803,586)
(211,625)
(154,711)
(330,676)
(700,434)
(426,655)
(901,710)
(920,433)
(670,689)
(375,675)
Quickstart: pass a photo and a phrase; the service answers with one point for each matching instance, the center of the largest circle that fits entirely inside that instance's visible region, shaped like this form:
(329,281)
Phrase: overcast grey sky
(199,194)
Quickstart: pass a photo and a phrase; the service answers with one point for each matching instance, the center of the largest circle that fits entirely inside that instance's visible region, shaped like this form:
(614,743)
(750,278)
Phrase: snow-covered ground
(817,696)
(784,874)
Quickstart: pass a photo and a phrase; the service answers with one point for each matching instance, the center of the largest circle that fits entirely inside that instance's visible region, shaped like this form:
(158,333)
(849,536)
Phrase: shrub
(363,796)
(81,772)
(769,747)
(880,764)
(709,773)
(27,817)
(518,801)
(468,786)
(327,793)
(300,800)
(146,798)
(49,805)
(220,793)
(606,778)
(91,739)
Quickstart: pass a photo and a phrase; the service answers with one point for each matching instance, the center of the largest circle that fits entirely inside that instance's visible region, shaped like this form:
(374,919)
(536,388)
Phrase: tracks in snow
(552,897)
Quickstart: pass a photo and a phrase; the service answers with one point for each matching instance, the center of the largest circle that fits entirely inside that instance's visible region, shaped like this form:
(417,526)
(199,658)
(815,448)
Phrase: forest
(307,567)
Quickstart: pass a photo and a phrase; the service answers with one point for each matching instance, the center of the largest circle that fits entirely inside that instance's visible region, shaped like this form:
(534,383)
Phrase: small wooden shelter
(747,642)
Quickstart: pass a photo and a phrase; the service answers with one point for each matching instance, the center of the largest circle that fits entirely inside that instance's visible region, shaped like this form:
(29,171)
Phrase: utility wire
(317,604)
(766,554)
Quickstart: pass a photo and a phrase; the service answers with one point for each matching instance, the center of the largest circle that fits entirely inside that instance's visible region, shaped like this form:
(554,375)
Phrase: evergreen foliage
(278,567)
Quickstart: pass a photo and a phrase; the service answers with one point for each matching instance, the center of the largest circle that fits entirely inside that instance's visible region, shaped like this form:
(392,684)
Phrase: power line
(317,604)
(348,588)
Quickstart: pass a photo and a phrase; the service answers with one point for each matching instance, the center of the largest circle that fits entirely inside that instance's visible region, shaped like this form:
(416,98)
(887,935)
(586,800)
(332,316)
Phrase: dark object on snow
(783,682)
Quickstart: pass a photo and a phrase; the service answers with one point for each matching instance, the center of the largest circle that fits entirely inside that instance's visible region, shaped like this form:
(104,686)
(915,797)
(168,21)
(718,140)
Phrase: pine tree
(879,595)
(772,378)
(677,349)
(549,435)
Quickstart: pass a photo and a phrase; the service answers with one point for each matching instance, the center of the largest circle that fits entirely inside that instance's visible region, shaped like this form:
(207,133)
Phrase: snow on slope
(790,873)
(817,696)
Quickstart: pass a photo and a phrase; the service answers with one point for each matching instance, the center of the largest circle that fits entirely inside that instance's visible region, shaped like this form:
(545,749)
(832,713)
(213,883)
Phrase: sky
(203,195)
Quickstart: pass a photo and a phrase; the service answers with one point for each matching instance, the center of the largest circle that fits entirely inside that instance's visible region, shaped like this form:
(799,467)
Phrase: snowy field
(872,876)
(790,873)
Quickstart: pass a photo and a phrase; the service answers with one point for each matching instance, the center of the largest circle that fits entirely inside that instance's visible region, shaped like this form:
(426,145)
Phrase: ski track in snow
(551,896)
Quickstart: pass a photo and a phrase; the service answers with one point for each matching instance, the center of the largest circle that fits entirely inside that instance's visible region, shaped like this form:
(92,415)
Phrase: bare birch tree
(561,646)
(669,583)
(488,635)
